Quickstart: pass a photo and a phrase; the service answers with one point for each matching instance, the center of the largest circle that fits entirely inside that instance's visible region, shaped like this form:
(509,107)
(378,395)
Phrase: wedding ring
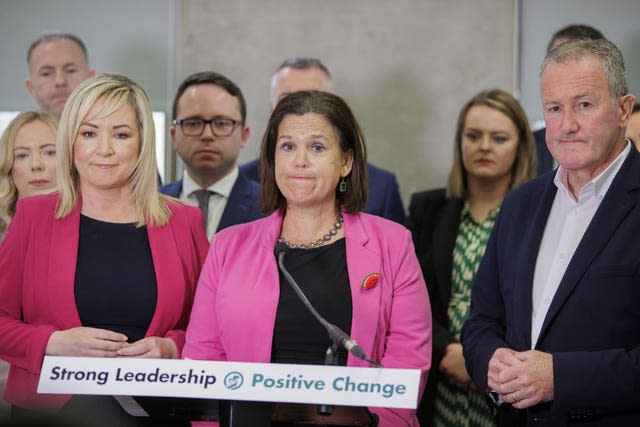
(515,399)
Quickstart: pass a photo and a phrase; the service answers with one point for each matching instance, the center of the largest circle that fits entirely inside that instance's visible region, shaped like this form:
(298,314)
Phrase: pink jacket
(235,305)
(38,263)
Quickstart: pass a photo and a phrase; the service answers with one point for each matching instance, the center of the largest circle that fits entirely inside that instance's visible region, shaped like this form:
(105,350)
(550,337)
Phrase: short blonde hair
(115,91)
(525,165)
(8,191)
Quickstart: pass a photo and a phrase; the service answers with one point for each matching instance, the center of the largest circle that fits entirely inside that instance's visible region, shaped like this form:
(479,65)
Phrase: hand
(152,348)
(526,378)
(452,365)
(82,341)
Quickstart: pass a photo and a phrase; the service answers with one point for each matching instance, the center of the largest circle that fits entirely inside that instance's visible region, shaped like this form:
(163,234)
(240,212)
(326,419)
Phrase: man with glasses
(208,131)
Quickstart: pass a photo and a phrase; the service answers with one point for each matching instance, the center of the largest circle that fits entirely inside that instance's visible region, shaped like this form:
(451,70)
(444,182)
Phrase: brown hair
(524,167)
(339,115)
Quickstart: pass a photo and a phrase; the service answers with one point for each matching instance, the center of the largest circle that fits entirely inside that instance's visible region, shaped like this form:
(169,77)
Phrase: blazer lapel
(611,212)
(63,257)
(362,261)
(235,212)
(444,240)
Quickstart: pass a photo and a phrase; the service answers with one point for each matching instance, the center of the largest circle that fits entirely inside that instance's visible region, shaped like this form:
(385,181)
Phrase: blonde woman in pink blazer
(104,267)
(360,271)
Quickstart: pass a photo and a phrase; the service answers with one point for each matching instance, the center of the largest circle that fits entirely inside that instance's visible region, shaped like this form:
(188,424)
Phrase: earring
(343,186)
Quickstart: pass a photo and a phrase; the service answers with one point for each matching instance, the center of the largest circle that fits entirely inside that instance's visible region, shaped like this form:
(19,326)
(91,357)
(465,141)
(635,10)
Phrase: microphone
(337,335)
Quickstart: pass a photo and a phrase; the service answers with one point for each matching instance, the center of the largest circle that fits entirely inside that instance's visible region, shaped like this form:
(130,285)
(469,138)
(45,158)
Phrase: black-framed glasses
(220,126)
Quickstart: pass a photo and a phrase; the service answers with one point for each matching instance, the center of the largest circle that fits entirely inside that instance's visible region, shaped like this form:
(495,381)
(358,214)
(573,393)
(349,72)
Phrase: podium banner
(268,382)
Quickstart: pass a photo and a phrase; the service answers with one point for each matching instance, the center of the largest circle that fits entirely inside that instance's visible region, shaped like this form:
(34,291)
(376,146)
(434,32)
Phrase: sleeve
(196,246)
(202,338)
(408,340)
(484,330)
(21,344)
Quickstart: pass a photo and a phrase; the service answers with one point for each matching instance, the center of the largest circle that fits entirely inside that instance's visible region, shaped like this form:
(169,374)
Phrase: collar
(222,187)
(599,185)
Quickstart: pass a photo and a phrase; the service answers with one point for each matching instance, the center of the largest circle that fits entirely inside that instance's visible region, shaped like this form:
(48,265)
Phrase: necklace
(332,232)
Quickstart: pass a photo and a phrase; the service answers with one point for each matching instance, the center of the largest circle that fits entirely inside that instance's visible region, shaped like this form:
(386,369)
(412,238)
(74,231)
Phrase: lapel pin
(370,281)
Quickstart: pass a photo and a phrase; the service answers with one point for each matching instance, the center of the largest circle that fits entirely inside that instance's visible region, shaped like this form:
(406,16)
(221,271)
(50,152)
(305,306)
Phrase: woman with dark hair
(494,151)
(359,271)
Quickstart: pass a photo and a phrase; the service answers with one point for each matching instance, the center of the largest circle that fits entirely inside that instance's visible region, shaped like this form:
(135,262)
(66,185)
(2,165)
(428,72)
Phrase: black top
(322,275)
(115,282)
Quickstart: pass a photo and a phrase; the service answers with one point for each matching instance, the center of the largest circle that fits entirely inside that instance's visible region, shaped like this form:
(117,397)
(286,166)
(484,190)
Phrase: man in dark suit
(296,74)
(571,32)
(554,330)
(208,131)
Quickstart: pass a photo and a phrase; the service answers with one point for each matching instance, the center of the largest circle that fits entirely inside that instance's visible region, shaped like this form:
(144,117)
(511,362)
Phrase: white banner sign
(392,388)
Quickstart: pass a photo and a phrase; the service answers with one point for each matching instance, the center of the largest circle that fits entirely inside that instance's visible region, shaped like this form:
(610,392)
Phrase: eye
(584,105)
(553,109)
(20,156)
(192,123)
(286,146)
(472,136)
(122,135)
(223,124)
(50,152)
(499,139)
(88,134)
(318,147)
(71,70)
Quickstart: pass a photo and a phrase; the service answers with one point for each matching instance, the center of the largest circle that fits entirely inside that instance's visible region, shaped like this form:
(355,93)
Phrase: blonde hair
(524,167)
(8,190)
(114,91)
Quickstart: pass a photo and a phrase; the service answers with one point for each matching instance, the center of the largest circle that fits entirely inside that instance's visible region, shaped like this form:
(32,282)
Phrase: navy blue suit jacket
(592,327)
(242,206)
(383,198)
(545,160)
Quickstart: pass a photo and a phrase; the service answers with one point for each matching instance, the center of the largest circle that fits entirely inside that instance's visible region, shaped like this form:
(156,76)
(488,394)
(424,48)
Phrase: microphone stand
(338,337)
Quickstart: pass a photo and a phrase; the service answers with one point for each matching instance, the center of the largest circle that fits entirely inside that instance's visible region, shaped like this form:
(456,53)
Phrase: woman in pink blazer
(358,270)
(104,267)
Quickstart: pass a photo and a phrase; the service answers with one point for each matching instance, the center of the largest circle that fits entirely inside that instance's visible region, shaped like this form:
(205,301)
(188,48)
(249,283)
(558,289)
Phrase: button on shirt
(220,192)
(567,223)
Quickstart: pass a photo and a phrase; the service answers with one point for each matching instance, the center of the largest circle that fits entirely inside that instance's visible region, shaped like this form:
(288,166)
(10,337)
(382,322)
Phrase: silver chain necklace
(332,232)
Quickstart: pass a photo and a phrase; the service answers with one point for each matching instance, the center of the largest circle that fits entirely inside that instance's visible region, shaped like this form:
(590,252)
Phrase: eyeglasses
(219,126)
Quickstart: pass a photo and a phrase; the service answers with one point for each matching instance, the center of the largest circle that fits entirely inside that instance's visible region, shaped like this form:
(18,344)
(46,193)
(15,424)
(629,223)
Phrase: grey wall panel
(404,66)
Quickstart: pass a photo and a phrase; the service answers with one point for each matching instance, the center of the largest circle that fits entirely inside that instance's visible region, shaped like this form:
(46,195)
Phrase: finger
(105,345)
(135,349)
(105,334)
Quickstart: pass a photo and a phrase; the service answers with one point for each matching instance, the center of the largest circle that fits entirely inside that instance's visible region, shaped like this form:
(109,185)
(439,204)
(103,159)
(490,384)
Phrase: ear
(29,85)
(347,163)
(92,73)
(172,132)
(245,136)
(625,104)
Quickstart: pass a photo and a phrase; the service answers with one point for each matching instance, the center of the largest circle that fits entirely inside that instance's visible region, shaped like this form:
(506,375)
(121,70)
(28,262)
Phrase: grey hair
(606,52)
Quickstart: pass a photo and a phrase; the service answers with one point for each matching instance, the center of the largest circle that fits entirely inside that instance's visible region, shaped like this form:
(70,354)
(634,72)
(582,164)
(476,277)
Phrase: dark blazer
(434,222)
(592,327)
(242,206)
(383,198)
(545,161)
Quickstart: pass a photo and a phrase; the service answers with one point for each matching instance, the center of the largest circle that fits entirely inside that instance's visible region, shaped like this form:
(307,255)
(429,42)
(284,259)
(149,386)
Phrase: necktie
(203,204)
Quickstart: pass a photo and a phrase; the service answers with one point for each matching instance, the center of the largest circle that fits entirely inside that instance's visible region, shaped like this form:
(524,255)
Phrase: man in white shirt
(554,331)
(208,132)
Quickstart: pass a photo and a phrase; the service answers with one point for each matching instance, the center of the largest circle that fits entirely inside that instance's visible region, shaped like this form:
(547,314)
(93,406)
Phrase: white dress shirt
(568,220)
(217,201)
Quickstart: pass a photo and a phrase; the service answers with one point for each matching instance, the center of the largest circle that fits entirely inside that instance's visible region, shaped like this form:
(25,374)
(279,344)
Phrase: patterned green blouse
(456,407)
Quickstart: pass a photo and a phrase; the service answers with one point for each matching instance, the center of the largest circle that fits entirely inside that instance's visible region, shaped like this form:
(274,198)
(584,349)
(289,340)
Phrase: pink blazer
(38,263)
(237,296)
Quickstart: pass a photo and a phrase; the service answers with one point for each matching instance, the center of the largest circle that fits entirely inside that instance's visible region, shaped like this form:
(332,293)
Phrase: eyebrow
(114,127)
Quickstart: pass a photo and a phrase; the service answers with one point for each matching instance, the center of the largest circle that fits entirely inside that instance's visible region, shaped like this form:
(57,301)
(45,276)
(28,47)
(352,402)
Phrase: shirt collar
(466,213)
(599,185)
(222,187)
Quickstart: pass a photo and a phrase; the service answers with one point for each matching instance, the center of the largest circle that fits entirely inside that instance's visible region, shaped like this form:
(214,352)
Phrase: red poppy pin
(370,281)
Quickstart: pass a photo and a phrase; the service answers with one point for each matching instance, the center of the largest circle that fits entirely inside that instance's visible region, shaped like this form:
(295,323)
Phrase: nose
(485,142)
(105,146)
(36,162)
(207,132)
(60,78)
(302,159)
(569,124)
